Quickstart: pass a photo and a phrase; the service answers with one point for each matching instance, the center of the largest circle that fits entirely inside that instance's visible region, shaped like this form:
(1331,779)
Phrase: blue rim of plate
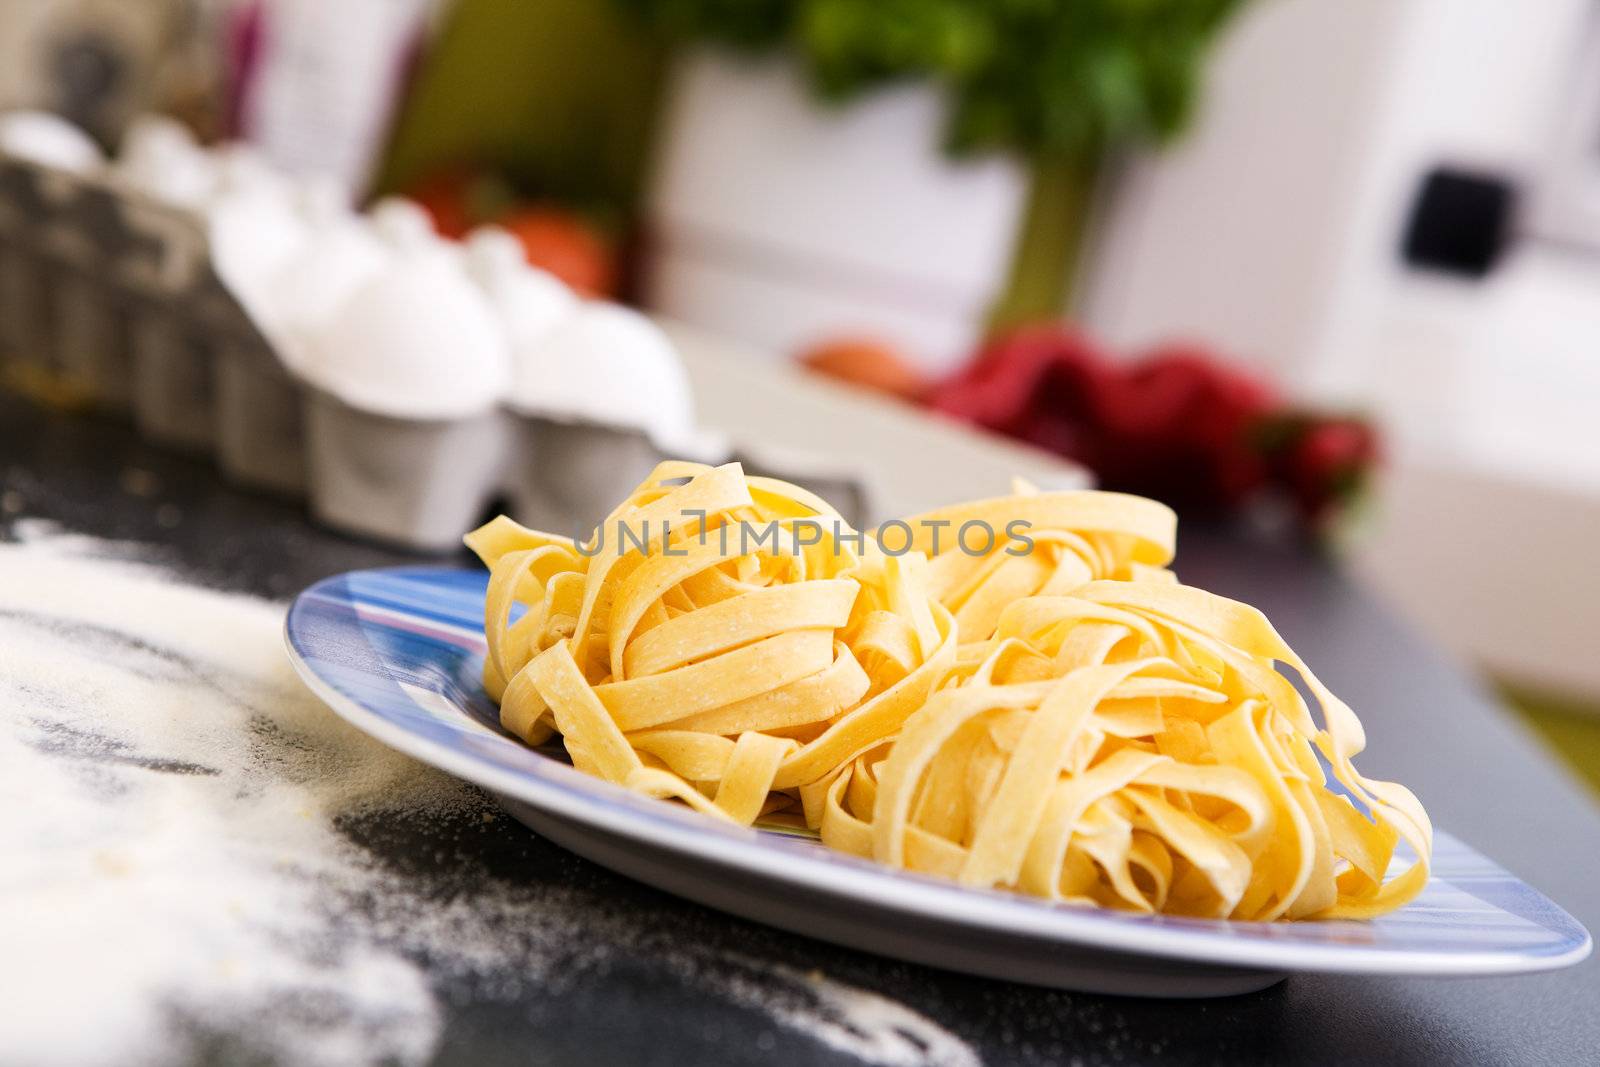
(397,653)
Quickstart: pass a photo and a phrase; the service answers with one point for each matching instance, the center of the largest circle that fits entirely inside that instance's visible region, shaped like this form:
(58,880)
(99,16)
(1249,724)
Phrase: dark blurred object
(87,70)
(1178,425)
(98,63)
(870,364)
(1460,222)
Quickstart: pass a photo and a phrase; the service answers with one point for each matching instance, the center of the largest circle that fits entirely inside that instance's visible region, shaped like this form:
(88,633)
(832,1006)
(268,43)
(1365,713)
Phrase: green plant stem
(1049,245)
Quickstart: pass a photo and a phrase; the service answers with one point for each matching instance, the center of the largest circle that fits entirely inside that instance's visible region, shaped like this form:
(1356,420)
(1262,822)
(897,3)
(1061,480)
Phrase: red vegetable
(446,197)
(1178,424)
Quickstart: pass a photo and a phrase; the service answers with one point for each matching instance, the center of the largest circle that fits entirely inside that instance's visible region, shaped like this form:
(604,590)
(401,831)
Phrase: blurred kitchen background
(1329,267)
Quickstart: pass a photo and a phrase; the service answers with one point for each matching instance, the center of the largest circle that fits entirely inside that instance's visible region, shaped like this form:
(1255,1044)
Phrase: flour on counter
(850,1020)
(174,866)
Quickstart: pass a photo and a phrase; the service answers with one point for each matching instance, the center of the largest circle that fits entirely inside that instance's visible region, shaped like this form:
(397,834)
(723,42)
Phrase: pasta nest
(1021,697)
(1132,745)
(723,640)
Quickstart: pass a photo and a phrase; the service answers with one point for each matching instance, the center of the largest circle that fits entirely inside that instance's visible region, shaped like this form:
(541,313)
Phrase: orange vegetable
(567,246)
(870,364)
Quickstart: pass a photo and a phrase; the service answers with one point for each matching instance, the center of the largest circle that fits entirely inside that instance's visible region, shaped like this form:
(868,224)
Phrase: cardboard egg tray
(108,295)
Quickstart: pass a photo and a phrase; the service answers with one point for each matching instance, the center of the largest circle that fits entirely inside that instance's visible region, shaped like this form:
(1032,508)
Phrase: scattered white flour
(172,869)
(851,1020)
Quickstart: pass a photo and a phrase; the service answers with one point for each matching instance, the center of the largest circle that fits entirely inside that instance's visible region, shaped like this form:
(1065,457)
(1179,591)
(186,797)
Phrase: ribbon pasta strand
(988,554)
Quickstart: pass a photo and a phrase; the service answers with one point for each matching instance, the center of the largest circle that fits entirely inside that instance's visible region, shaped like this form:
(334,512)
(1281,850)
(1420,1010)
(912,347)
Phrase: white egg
(255,229)
(50,141)
(528,302)
(341,252)
(419,340)
(609,364)
(161,159)
(403,223)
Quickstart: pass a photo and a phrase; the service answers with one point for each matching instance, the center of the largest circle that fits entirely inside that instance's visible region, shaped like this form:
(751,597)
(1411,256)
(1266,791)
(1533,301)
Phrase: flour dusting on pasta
(181,877)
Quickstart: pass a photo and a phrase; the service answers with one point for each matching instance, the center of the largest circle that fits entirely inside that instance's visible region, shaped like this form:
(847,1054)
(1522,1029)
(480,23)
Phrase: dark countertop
(1429,725)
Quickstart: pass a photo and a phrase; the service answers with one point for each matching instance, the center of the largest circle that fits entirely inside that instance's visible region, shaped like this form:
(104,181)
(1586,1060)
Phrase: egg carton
(55,317)
(113,296)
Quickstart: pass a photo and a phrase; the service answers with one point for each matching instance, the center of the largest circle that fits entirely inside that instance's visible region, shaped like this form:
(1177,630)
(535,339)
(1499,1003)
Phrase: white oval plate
(398,652)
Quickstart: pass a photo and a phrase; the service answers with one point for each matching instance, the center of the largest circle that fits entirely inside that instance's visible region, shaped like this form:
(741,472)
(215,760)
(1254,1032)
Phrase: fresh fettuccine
(716,641)
(1040,708)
